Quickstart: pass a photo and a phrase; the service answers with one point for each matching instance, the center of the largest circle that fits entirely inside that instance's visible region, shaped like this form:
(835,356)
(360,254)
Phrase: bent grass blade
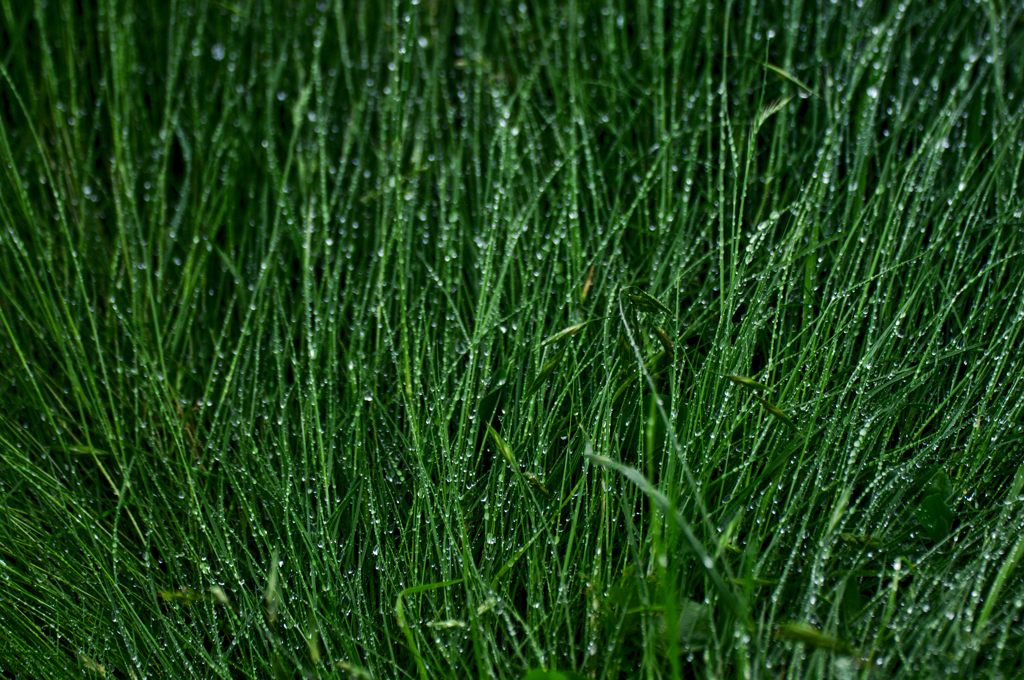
(586,286)
(545,373)
(732,599)
(567,332)
(503,448)
(665,341)
(506,452)
(403,623)
(777,412)
(744,381)
(646,302)
(812,637)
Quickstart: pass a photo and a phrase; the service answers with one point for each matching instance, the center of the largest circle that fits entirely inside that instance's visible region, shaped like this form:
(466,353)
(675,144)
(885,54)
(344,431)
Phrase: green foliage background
(275,285)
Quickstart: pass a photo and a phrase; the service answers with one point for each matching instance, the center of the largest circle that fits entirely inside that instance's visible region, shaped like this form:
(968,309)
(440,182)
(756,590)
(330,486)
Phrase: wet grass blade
(646,302)
(1005,571)
(184,596)
(665,341)
(747,382)
(404,624)
(533,479)
(567,332)
(777,412)
(545,373)
(866,540)
(785,75)
(586,286)
(732,600)
(652,365)
(503,448)
(811,636)
(272,595)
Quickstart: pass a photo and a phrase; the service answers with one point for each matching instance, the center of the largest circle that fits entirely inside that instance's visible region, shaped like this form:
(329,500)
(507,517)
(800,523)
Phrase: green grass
(640,340)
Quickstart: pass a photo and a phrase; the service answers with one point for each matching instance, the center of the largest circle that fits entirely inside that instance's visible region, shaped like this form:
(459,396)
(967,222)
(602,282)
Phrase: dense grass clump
(431,339)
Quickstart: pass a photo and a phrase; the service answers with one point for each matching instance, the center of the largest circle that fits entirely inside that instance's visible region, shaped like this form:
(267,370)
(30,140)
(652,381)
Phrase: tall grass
(427,339)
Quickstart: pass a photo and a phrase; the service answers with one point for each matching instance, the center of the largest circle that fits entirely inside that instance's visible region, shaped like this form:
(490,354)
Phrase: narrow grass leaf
(545,373)
(184,596)
(646,302)
(650,365)
(503,448)
(586,286)
(313,640)
(866,540)
(1005,571)
(537,484)
(747,382)
(785,75)
(777,412)
(732,600)
(87,451)
(92,666)
(567,332)
(811,636)
(403,623)
(621,390)
(511,562)
(666,342)
(272,596)
(355,672)
(541,674)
